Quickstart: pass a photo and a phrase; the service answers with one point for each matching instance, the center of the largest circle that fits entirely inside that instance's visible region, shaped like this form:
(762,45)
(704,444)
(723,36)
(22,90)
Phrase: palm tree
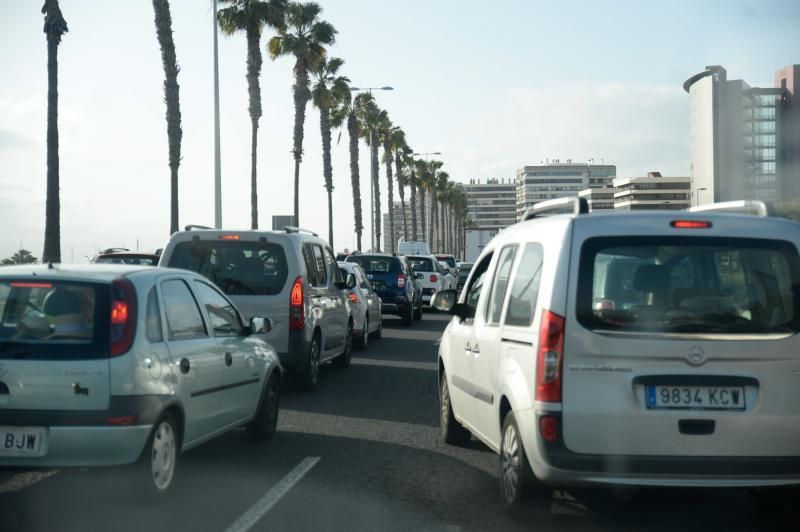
(440,186)
(399,144)
(172,99)
(54,27)
(411,166)
(347,112)
(371,117)
(329,92)
(423,177)
(433,169)
(385,132)
(250,17)
(304,37)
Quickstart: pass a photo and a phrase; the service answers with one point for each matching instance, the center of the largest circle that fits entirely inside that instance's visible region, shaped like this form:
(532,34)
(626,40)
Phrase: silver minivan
(655,348)
(288,276)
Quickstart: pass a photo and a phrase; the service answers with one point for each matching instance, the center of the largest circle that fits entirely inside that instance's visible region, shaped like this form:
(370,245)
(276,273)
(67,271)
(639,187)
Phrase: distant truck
(474,242)
(413,247)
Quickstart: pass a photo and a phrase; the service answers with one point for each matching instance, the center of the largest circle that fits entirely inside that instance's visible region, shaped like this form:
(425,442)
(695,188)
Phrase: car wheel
(343,360)
(309,378)
(418,312)
(265,423)
(362,341)
(157,465)
(451,430)
(516,477)
(378,334)
(408,316)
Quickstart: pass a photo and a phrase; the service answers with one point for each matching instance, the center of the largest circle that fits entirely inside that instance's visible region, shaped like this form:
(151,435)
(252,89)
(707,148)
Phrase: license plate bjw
(22,441)
(696,397)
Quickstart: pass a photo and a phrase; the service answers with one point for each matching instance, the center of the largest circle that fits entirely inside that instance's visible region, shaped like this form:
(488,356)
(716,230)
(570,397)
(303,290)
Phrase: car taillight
(550,357)
(353,297)
(434,278)
(548,425)
(297,315)
(123,316)
(401,280)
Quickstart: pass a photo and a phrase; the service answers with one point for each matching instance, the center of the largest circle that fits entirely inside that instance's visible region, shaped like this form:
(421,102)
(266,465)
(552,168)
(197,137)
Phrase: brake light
(548,425)
(297,316)
(690,224)
(123,316)
(353,297)
(434,278)
(229,237)
(550,358)
(401,280)
(31,285)
(121,421)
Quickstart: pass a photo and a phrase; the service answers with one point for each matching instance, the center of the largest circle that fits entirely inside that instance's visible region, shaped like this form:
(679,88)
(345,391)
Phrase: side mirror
(444,300)
(350,281)
(260,325)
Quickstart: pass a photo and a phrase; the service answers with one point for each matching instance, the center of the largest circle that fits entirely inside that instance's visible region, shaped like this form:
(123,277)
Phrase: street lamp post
(429,235)
(217,161)
(372,175)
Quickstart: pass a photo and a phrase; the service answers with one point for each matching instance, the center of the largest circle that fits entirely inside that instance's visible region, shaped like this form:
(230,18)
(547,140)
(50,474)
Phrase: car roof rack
(192,227)
(757,207)
(292,229)
(561,205)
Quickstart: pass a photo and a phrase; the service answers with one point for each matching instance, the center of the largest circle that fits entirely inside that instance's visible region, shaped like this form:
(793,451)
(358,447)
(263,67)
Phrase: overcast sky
(492,85)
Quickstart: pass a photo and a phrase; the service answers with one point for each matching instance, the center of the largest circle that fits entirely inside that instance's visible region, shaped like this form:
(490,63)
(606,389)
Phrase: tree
(371,117)
(54,28)
(163,21)
(411,167)
(330,92)
(433,169)
(23,256)
(304,37)
(423,177)
(347,112)
(384,134)
(440,187)
(250,17)
(400,147)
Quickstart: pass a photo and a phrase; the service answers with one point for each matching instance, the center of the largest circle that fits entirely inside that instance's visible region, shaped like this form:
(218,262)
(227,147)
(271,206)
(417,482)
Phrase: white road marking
(265,503)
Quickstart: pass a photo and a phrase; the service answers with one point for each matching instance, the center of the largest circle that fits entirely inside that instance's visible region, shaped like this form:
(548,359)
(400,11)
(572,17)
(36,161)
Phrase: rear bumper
(394,305)
(555,464)
(296,358)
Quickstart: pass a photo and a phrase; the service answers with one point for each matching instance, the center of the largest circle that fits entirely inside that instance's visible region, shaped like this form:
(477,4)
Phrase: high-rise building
(743,139)
(559,180)
(599,199)
(491,204)
(652,192)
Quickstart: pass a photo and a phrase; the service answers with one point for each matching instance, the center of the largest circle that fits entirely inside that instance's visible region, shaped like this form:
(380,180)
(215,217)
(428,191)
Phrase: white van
(654,348)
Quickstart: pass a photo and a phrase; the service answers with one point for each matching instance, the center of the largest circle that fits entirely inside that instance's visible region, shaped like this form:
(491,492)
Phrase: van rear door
(684,342)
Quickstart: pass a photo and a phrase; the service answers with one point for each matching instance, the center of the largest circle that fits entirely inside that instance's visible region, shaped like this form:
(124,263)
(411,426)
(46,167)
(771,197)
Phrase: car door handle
(228,359)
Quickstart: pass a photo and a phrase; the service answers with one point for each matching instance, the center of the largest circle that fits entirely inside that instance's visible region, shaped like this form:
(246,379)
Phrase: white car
(365,306)
(430,275)
(449,278)
(654,348)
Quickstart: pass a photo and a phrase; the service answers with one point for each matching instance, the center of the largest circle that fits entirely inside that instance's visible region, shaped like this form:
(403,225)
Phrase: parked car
(463,272)
(449,278)
(431,275)
(450,260)
(413,247)
(365,306)
(289,276)
(395,282)
(673,369)
(125,256)
(106,365)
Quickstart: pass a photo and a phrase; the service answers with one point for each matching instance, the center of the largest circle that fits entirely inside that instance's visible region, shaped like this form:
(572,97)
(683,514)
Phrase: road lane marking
(271,498)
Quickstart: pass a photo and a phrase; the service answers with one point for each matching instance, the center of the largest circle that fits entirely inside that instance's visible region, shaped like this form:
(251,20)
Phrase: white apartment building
(652,191)
(559,180)
(491,204)
(599,199)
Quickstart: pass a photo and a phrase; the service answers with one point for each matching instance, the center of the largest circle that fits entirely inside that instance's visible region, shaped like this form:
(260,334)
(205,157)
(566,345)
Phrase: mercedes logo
(696,356)
(3,371)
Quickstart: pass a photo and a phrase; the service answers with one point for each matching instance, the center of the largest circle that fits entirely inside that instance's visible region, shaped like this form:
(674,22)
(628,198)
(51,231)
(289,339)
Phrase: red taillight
(401,280)
(123,316)
(31,285)
(297,315)
(690,224)
(121,421)
(229,237)
(548,425)
(434,278)
(550,357)
(353,297)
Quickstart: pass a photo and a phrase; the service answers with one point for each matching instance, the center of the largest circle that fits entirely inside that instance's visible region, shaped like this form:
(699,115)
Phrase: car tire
(265,423)
(408,316)
(516,477)
(155,470)
(362,342)
(378,334)
(418,312)
(343,360)
(309,378)
(451,430)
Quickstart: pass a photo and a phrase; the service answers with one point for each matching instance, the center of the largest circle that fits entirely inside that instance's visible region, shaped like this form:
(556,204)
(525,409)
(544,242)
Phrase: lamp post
(697,195)
(428,237)
(217,161)
(372,175)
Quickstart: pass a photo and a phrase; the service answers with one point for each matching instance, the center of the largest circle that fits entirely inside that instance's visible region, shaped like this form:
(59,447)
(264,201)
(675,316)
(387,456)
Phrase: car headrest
(649,278)
(62,301)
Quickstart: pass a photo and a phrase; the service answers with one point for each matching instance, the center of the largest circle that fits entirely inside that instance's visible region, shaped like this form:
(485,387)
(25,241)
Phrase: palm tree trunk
(398,165)
(352,130)
(413,188)
(376,190)
(433,222)
(163,21)
(387,153)
(52,226)
(327,168)
(301,96)
(254,62)
(422,214)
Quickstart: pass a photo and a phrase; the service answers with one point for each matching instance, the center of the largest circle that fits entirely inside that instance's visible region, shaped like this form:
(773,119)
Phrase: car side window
(476,284)
(498,294)
(311,264)
(333,269)
(153,326)
(525,287)
(184,320)
(363,282)
(224,318)
(319,262)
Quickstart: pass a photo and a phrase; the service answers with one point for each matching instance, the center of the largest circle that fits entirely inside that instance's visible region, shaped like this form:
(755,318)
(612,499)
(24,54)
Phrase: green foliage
(23,256)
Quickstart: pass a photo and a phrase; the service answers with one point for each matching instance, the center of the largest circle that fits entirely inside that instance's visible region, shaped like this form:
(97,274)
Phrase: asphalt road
(360,453)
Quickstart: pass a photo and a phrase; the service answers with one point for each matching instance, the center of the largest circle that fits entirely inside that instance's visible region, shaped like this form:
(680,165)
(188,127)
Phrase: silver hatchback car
(106,365)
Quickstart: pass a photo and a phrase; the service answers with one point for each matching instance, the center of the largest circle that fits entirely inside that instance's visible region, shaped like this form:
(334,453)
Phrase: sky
(493,86)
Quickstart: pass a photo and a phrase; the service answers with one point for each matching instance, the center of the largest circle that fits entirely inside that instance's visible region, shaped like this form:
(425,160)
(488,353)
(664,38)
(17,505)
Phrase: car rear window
(421,265)
(237,267)
(698,285)
(53,319)
(376,264)
(450,261)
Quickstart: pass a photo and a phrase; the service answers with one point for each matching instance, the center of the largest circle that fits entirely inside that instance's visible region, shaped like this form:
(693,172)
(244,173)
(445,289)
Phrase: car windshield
(372,264)
(237,267)
(692,285)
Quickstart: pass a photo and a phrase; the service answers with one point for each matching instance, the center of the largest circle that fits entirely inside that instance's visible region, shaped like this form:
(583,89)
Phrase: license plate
(22,441)
(696,397)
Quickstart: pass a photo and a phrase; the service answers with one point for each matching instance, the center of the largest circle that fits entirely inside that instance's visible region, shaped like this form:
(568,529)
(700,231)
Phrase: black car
(395,282)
